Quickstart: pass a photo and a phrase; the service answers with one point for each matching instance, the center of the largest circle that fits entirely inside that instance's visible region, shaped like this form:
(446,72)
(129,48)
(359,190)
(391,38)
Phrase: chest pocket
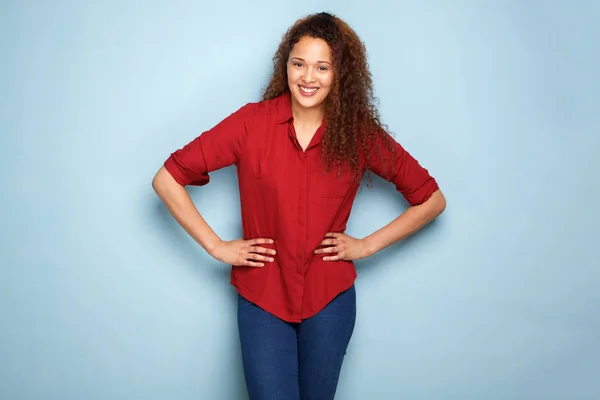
(329,185)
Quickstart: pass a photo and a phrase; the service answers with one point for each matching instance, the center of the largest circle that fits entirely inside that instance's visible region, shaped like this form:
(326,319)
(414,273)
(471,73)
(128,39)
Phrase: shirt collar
(284,114)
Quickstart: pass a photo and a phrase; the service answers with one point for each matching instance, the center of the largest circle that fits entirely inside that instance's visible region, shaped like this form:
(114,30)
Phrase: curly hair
(351,115)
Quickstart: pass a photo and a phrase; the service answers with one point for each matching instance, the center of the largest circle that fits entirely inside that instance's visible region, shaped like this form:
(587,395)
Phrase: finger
(258,257)
(259,249)
(332,249)
(254,242)
(333,234)
(329,242)
(248,263)
(333,258)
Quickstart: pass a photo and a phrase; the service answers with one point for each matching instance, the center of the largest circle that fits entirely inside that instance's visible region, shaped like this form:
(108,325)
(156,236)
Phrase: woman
(300,154)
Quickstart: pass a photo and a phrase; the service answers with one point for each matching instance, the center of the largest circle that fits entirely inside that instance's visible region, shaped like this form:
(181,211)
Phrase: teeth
(307,90)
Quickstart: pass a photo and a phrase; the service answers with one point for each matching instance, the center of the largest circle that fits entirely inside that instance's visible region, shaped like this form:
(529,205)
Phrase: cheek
(327,82)
(292,75)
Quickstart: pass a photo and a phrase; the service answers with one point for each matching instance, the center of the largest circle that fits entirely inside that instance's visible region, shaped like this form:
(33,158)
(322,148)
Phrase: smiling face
(310,72)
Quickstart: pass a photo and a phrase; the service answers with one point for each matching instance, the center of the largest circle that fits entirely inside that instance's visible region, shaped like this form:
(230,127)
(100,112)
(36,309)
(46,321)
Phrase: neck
(307,116)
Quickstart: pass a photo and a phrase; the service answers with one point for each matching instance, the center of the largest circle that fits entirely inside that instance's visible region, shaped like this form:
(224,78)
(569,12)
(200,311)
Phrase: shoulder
(271,109)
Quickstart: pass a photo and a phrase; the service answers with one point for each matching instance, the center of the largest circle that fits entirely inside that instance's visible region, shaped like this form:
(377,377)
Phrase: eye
(298,64)
(323,69)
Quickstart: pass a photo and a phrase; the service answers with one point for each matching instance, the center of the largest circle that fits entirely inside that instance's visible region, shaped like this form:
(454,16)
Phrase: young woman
(300,154)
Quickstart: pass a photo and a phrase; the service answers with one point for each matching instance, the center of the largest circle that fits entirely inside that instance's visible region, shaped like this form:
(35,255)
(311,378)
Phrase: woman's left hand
(342,247)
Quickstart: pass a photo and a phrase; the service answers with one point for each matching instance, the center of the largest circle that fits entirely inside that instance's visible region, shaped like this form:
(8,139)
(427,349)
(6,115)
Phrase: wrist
(212,245)
(369,247)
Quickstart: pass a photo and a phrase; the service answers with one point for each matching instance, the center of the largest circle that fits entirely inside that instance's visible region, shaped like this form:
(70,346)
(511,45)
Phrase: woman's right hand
(241,252)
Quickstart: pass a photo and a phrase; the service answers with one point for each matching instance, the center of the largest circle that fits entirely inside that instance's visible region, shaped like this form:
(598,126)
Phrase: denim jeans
(293,361)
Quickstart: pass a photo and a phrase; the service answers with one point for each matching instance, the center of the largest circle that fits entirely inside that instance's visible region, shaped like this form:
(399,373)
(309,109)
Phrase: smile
(307,90)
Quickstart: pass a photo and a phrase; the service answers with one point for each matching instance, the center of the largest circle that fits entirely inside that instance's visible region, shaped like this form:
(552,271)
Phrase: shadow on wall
(181,241)
(392,257)
(184,244)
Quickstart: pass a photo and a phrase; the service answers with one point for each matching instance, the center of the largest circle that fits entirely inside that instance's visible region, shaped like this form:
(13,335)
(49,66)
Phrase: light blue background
(102,295)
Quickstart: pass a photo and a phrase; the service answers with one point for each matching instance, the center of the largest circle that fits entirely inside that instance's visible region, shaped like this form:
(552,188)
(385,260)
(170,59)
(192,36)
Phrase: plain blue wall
(102,295)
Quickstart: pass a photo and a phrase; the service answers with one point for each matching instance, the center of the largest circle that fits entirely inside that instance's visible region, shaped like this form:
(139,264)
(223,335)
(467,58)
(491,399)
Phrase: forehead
(311,49)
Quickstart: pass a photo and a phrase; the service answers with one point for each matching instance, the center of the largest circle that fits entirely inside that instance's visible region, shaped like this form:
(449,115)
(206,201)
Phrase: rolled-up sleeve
(219,147)
(411,179)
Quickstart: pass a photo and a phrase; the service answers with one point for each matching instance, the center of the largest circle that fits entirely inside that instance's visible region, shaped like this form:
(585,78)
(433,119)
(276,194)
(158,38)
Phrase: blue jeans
(293,361)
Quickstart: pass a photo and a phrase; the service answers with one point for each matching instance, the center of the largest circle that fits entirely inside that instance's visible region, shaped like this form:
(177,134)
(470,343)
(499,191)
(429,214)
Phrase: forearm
(409,222)
(182,208)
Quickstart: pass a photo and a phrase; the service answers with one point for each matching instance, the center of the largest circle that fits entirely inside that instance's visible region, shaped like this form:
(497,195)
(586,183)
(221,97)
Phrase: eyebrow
(318,62)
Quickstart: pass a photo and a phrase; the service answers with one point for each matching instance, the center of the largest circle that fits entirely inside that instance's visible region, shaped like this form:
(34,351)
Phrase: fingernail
(270,240)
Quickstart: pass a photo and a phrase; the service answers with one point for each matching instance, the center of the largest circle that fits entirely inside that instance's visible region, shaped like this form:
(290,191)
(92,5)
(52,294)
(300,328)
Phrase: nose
(309,75)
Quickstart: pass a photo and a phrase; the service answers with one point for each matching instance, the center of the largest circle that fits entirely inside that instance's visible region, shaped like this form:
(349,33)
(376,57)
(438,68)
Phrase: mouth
(308,91)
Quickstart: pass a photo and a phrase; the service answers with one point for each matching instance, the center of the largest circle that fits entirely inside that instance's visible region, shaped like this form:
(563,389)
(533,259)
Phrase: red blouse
(284,196)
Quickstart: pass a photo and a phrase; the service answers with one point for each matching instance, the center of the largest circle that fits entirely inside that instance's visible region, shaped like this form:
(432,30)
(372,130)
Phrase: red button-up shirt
(285,196)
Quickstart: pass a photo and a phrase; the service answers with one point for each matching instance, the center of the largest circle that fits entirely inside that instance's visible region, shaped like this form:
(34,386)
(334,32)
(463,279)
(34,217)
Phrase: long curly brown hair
(351,115)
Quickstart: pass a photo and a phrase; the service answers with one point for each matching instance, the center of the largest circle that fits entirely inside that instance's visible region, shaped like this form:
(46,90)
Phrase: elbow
(160,181)
(436,203)
(164,183)
(156,182)
(439,202)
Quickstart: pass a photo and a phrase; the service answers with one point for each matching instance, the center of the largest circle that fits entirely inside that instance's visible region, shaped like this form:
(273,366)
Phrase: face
(310,72)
